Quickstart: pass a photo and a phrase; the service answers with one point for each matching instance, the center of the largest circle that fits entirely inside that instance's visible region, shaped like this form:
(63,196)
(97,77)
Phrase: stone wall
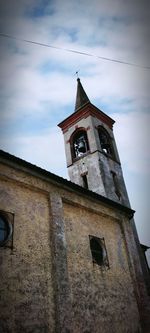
(49,283)
(103,297)
(26,289)
(97,165)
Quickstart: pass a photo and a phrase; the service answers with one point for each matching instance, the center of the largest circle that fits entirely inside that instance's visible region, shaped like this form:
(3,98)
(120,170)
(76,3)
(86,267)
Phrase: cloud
(45,150)
(132,136)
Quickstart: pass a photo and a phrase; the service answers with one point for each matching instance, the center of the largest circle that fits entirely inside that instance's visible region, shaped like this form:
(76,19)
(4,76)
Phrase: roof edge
(76,113)
(8,158)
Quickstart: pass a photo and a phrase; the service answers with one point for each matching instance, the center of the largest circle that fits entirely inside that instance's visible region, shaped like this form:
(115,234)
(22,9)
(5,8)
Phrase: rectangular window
(85,182)
(116,184)
(98,251)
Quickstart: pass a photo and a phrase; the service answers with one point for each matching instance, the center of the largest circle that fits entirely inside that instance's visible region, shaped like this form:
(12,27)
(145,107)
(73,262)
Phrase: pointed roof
(84,108)
(81,96)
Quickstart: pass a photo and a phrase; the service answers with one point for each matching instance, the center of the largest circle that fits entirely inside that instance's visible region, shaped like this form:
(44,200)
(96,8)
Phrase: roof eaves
(37,171)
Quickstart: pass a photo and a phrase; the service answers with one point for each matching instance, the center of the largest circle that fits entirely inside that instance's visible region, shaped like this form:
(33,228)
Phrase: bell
(81,146)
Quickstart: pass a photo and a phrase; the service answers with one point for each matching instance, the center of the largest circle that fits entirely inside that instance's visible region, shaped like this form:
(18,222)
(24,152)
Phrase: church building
(70,258)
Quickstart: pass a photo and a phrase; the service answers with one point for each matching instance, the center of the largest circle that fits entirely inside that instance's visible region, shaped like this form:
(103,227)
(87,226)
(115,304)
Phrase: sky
(38,83)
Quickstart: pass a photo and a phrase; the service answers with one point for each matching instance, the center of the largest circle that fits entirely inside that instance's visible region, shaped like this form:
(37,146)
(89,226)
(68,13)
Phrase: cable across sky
(72,51)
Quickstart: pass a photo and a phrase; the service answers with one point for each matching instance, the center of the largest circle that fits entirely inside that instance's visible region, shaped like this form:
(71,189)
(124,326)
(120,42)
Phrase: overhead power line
(73,51)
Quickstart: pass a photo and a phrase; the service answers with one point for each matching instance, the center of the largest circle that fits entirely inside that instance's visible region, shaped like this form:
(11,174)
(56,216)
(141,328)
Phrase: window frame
(8,220)
(104,262)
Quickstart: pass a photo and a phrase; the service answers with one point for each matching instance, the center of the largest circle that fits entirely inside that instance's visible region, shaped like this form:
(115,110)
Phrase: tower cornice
(86,110)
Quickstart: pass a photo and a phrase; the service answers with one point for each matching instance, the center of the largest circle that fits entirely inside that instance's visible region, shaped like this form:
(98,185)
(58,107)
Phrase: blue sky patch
(42,8)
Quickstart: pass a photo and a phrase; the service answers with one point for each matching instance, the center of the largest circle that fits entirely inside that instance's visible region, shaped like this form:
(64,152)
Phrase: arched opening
(106,142)
(80,144)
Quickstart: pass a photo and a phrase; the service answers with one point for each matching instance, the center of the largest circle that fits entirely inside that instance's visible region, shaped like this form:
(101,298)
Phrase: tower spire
(81,96)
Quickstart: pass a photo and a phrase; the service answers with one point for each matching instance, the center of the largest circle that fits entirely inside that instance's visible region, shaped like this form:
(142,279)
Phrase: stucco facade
(49,283)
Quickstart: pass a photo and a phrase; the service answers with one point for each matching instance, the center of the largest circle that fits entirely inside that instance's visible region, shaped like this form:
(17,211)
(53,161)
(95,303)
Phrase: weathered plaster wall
(88,164)
(103,299)
(26,290)
(97,165)
(48,283)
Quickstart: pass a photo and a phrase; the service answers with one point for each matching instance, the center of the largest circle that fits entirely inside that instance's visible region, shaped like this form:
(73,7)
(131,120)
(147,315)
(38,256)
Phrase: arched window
(79,143)
(106,142)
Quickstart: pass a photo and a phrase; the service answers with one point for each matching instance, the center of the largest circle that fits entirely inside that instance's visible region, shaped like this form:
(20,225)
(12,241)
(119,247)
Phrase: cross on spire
(77,74)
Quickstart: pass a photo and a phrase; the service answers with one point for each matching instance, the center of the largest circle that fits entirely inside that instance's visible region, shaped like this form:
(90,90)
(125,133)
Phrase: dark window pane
(97,250)
(2,223)
(85,182)
(4,230)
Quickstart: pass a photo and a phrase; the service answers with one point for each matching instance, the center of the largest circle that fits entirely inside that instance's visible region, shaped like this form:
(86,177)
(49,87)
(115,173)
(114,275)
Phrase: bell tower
(91,153)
